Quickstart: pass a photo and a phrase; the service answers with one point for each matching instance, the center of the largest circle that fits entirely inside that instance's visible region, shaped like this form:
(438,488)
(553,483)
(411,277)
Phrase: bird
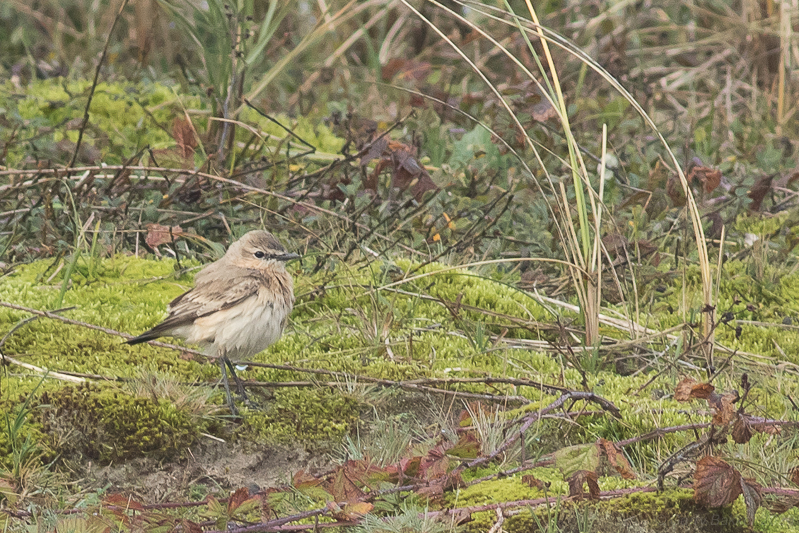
(239,305)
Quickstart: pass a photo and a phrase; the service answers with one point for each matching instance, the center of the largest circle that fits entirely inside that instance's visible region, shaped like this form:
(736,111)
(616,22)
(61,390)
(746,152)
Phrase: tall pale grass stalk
(582,257)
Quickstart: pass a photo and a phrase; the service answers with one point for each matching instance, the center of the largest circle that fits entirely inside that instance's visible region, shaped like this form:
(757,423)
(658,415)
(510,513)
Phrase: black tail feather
(144,337)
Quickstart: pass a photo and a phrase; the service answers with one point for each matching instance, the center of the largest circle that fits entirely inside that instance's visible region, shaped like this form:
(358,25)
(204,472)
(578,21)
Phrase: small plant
(26,475)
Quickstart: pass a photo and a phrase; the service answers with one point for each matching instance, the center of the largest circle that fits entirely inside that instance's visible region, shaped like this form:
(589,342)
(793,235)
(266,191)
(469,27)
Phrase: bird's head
(258,249)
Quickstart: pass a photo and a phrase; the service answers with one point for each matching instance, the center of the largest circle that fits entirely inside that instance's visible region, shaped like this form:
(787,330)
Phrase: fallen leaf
(741,430)
(158,234)
(723,406)
(690,389)
(675,191)
(758,192)
(183,133)
(795,475)
(532,481)
(716,482)
(752,498)
(576,481)
(708,177)
(617,459)
(435,464)
(467,447)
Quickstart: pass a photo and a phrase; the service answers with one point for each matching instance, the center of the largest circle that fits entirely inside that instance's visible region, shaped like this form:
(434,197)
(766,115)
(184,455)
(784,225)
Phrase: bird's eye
(259,254)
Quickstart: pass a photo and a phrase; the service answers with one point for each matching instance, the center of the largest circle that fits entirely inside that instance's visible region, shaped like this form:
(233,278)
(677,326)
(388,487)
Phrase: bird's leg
(239,384)
(222,361)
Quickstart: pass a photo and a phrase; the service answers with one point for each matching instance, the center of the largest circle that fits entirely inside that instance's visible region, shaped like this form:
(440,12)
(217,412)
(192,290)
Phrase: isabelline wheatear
(238,307)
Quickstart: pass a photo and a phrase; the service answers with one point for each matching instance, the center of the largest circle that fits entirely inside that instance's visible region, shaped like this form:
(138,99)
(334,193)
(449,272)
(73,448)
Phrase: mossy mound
(105,424)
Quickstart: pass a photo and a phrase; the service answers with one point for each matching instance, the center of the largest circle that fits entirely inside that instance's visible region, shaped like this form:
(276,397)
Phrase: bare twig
(85,121)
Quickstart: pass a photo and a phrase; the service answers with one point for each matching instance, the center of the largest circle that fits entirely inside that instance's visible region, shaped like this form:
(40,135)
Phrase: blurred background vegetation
(718,77)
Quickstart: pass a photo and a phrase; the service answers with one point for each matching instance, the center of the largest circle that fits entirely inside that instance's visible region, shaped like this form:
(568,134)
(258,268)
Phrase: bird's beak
(288,256)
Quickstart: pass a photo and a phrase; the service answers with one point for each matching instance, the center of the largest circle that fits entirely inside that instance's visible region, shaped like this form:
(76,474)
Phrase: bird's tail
(144,337)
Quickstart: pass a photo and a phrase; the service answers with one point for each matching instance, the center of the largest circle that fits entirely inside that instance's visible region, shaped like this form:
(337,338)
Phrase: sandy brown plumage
(239,305)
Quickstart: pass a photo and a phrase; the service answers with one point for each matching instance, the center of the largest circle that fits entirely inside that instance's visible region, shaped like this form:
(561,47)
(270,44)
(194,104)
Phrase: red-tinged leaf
(578,479)
(342,487)
(759,191)
(716,482)
(690,389)
(532,481)
(302,479)
(183,132)
(434,490)
(435,464)
(741,430)
(238,497)
(410,467)
(723,406)
(465,419)
(752,498)
(158,234)
(467,447)
(617,459)
(708,177)
(794,475)
(122,501)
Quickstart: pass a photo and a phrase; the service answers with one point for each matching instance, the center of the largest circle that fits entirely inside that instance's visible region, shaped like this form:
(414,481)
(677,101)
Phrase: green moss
(306,414)
(104,424)
(345,327)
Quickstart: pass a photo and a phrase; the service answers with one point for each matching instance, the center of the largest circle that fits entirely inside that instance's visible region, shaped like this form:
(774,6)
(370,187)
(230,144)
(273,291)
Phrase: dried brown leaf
(435,464)
(752,498)
(576,481)
(716,482)
(238,497)
(723,406)
(158,234)
(690,389)
(617,459)
(759,191)
(532,481)
(675,191)
(741,430)
(183,133)
(708,177)
(794,476)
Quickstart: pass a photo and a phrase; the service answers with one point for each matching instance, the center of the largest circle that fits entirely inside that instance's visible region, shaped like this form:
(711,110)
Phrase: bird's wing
(211,296)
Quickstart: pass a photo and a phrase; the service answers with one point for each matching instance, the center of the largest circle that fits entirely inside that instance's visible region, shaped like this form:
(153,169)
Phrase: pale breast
(248,327)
